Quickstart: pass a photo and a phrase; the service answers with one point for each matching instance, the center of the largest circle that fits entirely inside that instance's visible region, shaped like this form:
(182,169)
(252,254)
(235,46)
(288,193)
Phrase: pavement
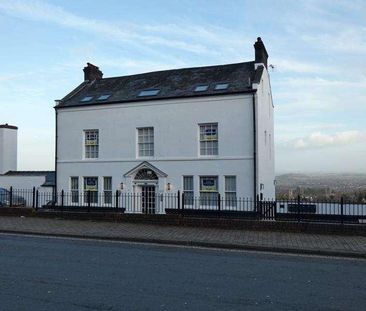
(58,274)
(285,242)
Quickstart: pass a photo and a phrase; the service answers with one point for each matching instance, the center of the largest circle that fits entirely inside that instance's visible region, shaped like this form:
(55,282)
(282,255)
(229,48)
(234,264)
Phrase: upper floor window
(209,139)
(91,140)
(145,141)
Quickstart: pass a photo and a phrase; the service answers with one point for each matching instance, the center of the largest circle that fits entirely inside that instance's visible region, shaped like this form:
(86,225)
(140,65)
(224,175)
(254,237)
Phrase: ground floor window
(74,187)
(230,190)
(188,190)
(91,190)
(107,185)
(209,190)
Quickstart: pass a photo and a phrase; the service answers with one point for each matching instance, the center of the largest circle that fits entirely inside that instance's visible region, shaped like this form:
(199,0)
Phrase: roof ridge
(176,69)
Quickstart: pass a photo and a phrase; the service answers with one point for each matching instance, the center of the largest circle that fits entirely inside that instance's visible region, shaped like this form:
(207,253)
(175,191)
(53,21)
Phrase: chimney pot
(92,72)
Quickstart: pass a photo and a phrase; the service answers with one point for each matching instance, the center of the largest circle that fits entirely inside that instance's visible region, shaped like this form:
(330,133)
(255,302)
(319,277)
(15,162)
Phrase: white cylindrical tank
(8,148)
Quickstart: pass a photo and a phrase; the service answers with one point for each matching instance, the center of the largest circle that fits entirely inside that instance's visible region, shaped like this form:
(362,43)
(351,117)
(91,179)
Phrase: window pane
(91,189)
(230,183)
(74,190)
(91,144)
(107,183)
(145,142)
(188,183)
(209,139)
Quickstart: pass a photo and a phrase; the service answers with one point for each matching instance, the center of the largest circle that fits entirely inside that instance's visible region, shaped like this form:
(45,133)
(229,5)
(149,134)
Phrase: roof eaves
(249,91)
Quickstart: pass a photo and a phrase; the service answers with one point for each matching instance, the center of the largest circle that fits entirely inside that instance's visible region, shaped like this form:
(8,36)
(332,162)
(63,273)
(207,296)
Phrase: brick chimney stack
(92,72)
(261,55)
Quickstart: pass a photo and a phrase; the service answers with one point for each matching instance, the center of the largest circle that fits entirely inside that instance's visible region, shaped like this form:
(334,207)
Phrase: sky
(317,48)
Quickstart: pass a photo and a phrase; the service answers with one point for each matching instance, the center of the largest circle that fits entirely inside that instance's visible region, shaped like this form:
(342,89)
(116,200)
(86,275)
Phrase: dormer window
(86,99)
(221,86)
(151,92)
(201,88)
(104,97)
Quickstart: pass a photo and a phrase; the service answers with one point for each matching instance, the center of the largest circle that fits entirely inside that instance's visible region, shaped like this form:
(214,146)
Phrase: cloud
(289,65)
(181,37)
(319,140)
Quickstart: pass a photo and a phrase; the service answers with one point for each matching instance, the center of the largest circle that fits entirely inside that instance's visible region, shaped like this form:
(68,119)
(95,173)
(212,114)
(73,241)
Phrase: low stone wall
(178,220)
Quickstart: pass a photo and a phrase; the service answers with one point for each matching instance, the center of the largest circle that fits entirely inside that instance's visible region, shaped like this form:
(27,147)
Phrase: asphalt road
(39,273)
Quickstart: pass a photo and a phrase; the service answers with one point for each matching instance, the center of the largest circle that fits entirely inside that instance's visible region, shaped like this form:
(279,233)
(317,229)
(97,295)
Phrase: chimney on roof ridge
(261,55)
(92,72)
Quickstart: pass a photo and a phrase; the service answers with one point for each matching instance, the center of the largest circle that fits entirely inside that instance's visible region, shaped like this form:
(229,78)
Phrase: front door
(148,199)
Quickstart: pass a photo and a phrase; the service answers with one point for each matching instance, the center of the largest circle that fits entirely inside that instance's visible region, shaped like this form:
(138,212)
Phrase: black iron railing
(213,205)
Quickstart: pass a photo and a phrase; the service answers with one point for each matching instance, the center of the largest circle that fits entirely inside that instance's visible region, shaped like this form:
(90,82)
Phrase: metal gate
(267,210)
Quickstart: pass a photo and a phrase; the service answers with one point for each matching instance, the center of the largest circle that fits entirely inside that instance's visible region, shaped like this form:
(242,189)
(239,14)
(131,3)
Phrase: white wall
(176,134)
(265,138)
(8,150)
(24,183)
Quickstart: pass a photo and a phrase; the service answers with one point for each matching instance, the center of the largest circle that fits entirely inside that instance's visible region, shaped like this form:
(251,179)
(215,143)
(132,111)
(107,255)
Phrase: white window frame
(230,202)
(85,191)
(90,143)
(205,198)
(107,193)
(188,200)
(206,141)
(74,191)
(143,140)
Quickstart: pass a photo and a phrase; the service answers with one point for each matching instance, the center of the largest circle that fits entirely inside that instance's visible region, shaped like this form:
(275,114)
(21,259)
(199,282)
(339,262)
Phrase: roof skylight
(201,88)
(86,99)
(151,92)
(104,96)
(221,86)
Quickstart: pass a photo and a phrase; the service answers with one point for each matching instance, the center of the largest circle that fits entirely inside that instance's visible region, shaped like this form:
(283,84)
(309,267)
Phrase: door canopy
(145,171)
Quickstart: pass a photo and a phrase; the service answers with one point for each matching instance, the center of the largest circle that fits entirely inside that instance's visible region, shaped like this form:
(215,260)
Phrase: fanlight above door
(146,174)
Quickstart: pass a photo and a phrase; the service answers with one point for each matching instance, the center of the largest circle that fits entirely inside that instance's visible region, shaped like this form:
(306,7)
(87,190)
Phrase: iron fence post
(37,194)
(11,197)
(342,210)
(183,195)
(117,194)
(62,198)
(33,197)
(298,208)
(219,202)
(178,198)
(257,206)
(89,199)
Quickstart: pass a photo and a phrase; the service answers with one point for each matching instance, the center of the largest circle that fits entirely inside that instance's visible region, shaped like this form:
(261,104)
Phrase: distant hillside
(321,186)
(322,180)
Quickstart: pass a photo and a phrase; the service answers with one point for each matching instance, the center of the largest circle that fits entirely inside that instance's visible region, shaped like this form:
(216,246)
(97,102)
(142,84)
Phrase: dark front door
(148,199)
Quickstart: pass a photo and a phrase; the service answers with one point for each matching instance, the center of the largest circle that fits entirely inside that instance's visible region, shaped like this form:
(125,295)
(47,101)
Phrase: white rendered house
(199,130)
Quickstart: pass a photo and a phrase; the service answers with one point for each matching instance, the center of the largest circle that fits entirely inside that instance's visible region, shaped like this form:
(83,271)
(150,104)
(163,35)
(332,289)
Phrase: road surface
(40,273)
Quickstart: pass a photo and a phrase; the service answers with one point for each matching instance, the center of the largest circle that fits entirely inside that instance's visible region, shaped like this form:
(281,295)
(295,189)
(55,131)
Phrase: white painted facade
(176,142)
(8,148)
(265,137)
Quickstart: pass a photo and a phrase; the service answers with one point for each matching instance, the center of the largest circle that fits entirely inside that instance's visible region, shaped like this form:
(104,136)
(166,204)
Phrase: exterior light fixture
(168,186)
(121,185)
(261,186)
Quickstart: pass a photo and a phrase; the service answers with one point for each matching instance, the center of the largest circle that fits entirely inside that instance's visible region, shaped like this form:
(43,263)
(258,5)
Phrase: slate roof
(176,83)
(28,173)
